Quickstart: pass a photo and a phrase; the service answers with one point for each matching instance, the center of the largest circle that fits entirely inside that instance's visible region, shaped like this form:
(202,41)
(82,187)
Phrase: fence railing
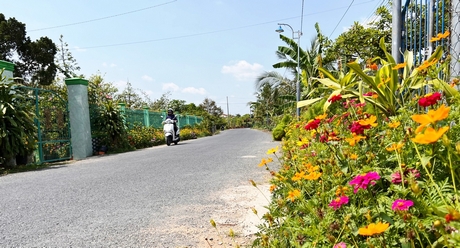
(147,118)
(422,20)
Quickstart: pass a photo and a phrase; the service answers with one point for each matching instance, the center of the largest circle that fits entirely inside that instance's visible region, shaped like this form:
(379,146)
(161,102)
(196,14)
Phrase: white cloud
(170,87)
(120,84)
(193,90)
(147,78)
(243,71)
(108,65)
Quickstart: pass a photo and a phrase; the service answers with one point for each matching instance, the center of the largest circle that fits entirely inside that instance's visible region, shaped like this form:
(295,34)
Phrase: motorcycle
(168,129)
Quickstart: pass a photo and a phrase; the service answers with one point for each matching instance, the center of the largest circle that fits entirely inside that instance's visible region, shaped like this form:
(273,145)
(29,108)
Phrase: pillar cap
(76,81)
(8,66)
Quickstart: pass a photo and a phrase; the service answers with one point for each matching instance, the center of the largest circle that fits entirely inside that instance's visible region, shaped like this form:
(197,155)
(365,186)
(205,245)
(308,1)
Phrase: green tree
(362,41)
(66,64)
(131,98)
(34,60)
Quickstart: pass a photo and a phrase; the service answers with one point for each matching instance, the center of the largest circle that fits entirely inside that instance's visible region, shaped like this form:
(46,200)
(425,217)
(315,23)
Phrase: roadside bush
(278,132)
(17,130)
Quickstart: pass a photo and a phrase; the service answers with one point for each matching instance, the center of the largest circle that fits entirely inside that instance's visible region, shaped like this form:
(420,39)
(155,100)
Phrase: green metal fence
(148,118)
(53,125)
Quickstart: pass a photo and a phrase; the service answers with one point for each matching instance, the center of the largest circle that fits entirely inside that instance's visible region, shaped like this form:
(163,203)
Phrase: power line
(216,31)
(346,11)
(103,18)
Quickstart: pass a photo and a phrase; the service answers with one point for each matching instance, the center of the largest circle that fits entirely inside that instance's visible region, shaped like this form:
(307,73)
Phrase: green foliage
(17,130)
(34,60)
(278,132)
(109,122)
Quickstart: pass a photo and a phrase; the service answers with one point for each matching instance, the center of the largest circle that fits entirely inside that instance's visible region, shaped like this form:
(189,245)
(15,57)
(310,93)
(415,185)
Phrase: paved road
(125,200)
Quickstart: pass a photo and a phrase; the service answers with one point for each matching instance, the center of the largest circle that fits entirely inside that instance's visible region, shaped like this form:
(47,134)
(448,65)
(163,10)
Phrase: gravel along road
(156,197)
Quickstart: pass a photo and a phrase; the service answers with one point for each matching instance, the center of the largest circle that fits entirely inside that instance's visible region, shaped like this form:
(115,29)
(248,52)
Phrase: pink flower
(338,202)
(362,181)
(340,245)
(402,205)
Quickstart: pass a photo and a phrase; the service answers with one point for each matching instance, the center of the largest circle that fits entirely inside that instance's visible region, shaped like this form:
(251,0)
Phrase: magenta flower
(362,181)
(338,202)
(340,245)
(402,205)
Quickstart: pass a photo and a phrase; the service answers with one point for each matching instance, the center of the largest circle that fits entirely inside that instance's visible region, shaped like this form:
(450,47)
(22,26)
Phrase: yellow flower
(265,161)
(432,116)
(375,96)
(272,187)
(302,142)
(395,146)
(369,121)
(353,156)
(313,175)
(399,66)
(273,150)
(294,194)
(321,117)
(430,135)
(394,124)
(440,36)
(373,229)
(298,176)
(356,138)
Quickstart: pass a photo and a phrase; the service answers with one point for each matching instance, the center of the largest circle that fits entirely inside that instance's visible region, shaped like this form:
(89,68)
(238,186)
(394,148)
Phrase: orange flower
(394,124)
(313,175)
(341,190)
(399,66)
(430,135)
(427,64)
(272,187)
(356,138)
(369,121)
(293,194)
(440,36)
(432,116)
(373,229)
(353,156)
(373,66)
(395,146)
(298,176)
(265,162)
(321,117)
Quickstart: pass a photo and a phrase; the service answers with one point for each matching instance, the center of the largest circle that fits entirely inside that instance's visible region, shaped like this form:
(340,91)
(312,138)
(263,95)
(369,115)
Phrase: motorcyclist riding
(173,117)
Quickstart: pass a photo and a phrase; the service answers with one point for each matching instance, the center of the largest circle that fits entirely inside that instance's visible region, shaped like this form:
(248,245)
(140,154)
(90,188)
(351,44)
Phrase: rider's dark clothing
(174,118)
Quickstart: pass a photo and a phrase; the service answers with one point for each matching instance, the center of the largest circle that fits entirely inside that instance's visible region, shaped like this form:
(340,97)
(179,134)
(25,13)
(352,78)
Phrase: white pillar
(80,128)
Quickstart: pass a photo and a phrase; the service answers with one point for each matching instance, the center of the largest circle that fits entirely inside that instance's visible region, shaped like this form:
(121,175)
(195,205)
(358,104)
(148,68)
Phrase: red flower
(335,98)
(358,128)
(429,99)
(313,124)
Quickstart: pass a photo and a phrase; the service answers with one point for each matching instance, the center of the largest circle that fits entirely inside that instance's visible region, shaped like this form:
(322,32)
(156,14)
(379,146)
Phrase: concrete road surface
(131,199)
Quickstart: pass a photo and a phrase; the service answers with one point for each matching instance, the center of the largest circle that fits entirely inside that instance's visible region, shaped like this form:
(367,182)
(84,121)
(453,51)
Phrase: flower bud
(457,147)
(445,140)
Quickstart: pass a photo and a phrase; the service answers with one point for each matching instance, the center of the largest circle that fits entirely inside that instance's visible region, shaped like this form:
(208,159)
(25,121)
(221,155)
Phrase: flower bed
(371,169)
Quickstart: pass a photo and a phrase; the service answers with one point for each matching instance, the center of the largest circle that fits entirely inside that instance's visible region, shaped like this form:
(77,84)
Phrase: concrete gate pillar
(80,128)
(8,69)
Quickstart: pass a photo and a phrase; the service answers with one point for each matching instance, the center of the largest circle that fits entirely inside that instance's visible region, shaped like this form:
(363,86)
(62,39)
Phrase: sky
(191,50)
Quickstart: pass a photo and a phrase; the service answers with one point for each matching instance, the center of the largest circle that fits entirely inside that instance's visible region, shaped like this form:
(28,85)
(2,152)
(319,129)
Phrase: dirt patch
(192,228)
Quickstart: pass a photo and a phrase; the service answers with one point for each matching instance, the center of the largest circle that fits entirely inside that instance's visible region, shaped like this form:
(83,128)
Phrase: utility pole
(228,115)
